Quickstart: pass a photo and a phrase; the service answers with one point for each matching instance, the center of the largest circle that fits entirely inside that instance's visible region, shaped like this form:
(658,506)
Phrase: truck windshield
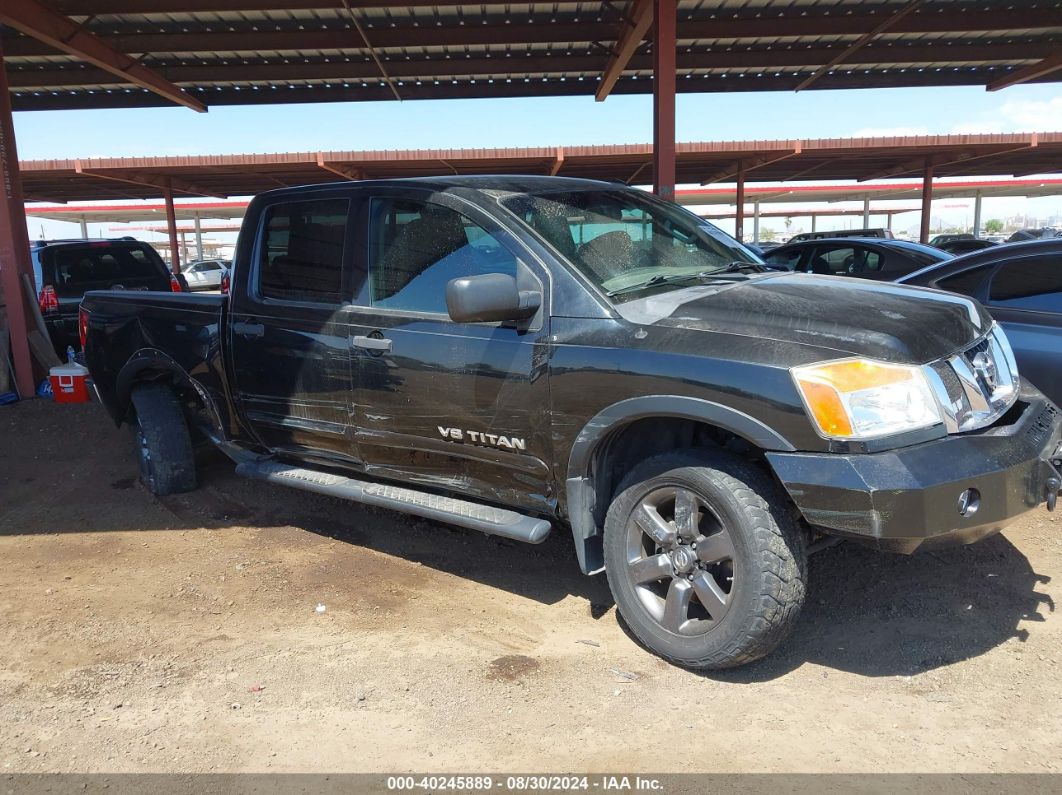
(628,242)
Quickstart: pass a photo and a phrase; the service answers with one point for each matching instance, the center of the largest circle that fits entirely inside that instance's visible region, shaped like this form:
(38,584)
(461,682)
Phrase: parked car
(883,234)
(880,260)
(510,354)
(206,274)
(763,246)
(1020,284)
(63,270)
(1045,233)
(949,237)
(963,245)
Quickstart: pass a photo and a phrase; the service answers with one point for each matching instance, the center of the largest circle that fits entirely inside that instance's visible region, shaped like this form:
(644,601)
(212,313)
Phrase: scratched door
(457,406)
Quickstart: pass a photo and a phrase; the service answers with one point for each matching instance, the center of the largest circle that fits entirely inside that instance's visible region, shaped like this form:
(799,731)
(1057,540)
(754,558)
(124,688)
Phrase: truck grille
(978,385)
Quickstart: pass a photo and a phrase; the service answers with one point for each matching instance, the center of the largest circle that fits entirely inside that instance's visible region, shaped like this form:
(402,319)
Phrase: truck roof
(514,183)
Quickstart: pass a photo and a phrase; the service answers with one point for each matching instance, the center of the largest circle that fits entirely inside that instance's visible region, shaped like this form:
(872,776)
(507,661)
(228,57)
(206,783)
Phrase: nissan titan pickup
(524,355)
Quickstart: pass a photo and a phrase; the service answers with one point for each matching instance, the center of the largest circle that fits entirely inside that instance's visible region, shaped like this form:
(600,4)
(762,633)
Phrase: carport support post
(84,228)
(739,222)
(756,223)
(813,219)
(198,238)
(866,211)
(927,202)
(664,47)
(171,225)
(14,244)
(977,214)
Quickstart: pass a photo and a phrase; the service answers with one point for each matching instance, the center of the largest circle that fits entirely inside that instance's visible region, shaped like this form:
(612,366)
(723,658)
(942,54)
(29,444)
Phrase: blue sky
(541,122)
(532,122)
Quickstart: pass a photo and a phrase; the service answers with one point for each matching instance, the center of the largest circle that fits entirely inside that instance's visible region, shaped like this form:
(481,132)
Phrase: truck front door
(289,329)
(458,406)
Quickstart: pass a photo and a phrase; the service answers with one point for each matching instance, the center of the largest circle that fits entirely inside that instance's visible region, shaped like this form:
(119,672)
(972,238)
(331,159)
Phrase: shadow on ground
(867,612)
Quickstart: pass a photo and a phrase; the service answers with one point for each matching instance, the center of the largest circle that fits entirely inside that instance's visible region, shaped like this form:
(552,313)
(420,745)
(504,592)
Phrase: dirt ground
(182,634)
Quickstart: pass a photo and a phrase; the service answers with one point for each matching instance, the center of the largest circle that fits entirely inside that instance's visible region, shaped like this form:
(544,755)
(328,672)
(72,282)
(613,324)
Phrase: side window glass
(864,261)
(784,259)
(416,248)
(967,282)
(302,251)
(833,261)
(1033,283)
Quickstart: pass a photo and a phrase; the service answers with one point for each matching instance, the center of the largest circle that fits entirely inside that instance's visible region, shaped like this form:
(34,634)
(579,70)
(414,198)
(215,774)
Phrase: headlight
(865,399)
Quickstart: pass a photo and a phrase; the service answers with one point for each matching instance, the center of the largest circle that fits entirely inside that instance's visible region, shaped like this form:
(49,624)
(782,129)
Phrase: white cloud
(1034,115)
(977,127)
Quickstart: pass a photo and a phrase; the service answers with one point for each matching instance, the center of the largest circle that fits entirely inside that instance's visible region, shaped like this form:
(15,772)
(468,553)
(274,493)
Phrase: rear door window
(1032,283)
(73,270)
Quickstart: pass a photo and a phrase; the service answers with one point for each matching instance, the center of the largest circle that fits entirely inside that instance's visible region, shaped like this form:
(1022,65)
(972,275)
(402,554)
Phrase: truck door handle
(249,329)
(381,344)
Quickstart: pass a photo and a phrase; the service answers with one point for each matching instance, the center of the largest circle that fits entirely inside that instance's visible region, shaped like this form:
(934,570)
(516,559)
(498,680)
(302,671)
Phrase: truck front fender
(579,485)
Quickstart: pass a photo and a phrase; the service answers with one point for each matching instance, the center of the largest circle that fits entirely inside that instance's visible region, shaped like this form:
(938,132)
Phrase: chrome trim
(986,374)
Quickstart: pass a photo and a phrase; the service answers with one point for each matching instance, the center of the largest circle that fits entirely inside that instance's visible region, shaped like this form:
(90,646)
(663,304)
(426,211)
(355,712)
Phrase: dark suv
(63,270)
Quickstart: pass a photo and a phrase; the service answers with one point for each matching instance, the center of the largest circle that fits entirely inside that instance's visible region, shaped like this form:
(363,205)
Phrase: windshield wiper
(738,267)
(660,278)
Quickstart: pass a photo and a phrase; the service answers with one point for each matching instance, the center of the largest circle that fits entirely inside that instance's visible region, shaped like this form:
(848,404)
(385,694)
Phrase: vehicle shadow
(880,614)
(867,612)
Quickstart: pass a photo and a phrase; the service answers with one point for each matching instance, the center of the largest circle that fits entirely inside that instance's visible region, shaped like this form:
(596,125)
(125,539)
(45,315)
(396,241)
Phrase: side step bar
(486,519)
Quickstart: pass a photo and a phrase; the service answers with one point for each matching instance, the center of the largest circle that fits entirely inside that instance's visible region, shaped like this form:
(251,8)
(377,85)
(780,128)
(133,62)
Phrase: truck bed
(179,334)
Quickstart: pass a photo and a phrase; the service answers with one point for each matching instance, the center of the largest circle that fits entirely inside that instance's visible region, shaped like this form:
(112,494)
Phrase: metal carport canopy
(701,162)
(265,51)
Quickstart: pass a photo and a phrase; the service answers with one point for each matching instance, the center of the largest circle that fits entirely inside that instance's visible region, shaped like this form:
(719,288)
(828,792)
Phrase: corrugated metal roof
(261,51)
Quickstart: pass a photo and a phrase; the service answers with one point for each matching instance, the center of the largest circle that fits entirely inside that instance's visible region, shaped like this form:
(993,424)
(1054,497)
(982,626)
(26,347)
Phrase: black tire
(751,599)
(163,444)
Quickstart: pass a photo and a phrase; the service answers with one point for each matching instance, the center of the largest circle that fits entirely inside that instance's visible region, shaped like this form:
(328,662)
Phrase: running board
(486,519)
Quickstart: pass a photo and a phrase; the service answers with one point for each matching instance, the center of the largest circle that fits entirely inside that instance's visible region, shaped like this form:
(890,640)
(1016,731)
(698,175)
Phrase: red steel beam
(739,216)
(14,245)
(52,28)
(748,165)
(634,30)
(339,169)
(171,225)
(1045,67)
(664,47)
(927,201)
(151,180)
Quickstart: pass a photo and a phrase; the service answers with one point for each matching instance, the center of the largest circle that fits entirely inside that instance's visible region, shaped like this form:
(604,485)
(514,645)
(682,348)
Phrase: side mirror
(489,298)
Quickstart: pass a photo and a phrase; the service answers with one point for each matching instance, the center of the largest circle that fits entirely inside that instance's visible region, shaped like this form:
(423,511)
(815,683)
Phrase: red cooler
(69,383)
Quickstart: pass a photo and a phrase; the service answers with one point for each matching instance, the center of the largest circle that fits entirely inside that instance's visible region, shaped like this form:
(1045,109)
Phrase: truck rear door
(289,328)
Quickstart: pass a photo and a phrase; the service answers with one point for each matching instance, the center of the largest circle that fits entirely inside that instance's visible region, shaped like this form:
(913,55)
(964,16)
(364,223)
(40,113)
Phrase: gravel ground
(183,635)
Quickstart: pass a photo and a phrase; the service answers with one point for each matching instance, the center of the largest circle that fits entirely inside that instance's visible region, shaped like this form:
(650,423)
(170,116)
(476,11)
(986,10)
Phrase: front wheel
(706,565)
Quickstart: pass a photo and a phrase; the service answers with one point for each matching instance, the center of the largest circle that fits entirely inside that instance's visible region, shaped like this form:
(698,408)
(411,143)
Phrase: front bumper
(904,499)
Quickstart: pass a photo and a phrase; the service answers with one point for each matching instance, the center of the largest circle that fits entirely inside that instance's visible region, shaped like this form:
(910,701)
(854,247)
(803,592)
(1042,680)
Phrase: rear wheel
(706,565)
(163,444)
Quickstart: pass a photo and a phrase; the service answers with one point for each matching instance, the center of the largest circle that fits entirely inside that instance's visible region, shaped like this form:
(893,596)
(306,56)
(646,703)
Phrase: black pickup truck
(514,354)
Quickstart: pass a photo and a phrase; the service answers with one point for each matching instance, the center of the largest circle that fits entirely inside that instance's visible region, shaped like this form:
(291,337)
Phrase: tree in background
(767,234)
(993,226)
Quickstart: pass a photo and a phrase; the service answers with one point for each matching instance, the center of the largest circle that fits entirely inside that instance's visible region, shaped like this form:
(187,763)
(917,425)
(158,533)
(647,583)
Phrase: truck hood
(853,317)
